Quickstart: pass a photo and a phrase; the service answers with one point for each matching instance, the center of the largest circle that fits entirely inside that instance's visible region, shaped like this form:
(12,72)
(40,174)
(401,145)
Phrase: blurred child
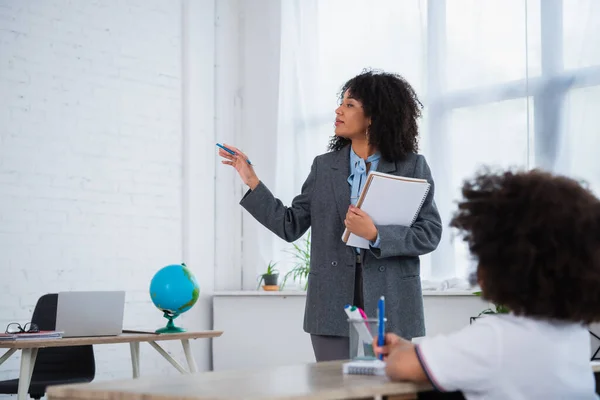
(536,239)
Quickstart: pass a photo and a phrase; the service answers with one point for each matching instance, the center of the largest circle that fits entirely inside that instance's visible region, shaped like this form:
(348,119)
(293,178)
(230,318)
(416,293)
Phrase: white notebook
(364,367)
(389,200)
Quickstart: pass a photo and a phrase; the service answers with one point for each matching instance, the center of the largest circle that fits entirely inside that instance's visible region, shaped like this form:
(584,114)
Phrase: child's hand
(391,340)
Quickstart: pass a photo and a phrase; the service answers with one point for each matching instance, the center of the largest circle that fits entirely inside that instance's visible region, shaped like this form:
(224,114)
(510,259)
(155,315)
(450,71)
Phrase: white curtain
(504,83)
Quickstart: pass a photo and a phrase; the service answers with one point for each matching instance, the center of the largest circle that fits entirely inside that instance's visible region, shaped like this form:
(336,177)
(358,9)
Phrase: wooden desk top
(123,338)
(317,381)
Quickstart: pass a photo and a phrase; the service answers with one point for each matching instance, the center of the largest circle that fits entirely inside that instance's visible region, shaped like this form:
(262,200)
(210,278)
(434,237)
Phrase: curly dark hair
(537,240)
(393,106)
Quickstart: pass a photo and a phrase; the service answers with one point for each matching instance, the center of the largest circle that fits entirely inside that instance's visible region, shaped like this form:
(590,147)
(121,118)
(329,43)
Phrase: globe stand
(170,328)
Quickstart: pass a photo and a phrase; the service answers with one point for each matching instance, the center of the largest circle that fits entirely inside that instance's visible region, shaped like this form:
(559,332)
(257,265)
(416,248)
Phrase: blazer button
(334,263)
(382,268)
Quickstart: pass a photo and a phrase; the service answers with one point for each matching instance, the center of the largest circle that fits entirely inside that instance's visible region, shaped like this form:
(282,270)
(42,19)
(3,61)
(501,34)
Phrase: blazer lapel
(341,188)
(341,171)
(386,166)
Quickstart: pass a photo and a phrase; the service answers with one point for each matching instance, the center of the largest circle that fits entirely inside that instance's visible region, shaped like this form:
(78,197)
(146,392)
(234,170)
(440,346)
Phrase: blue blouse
(358,177)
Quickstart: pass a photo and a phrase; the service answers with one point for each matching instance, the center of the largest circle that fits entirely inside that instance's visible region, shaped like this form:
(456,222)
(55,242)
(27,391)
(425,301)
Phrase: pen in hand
(239,161)
(233,153)
(381,316)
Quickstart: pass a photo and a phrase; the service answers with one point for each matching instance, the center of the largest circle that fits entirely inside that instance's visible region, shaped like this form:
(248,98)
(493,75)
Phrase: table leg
(594,356)
(188,355)
(7,355)
(168,357)
(33,357)
(135,358)
(27,362)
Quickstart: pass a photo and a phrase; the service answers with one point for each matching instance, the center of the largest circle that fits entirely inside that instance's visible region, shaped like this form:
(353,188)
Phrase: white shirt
(504,356)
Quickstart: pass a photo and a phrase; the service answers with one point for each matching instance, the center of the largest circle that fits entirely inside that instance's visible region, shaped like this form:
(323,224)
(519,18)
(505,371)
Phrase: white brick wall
(90,158)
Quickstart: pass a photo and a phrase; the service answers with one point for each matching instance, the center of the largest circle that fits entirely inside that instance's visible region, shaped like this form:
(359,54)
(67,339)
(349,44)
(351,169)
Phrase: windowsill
(253,293)
(288,293)
(456,292)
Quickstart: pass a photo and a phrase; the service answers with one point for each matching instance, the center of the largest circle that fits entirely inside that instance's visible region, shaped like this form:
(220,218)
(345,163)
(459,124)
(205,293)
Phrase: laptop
(94,313)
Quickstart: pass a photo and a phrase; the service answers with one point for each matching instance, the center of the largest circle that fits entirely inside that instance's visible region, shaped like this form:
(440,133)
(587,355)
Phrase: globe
(174,290)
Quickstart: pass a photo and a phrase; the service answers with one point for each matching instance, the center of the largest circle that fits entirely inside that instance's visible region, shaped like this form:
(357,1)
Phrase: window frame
(546,93)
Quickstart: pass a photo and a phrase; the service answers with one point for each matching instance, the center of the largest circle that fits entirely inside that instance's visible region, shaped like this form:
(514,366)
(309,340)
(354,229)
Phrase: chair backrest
(76,361)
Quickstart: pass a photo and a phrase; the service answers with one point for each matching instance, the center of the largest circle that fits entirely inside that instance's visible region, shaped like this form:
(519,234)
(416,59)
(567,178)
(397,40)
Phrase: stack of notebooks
(365,367)
(389,200)
(29,336)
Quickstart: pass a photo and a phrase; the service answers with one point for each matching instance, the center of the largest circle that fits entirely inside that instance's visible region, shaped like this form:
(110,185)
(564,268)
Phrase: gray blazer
(393,270)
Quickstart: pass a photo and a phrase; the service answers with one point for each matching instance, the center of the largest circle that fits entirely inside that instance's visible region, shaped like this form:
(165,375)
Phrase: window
(504,83)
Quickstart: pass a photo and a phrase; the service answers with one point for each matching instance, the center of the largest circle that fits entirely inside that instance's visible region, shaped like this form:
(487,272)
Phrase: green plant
(498,308)
(301,254)
(271,269)
(269,272)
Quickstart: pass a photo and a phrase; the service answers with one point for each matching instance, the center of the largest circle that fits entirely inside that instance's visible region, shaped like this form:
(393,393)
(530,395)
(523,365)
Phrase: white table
(29,349)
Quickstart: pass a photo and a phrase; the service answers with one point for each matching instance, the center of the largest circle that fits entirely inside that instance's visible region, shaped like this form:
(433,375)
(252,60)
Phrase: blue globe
(174,289)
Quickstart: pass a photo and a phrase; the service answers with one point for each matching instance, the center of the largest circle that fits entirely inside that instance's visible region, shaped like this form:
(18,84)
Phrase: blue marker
(233,153)
(381,316)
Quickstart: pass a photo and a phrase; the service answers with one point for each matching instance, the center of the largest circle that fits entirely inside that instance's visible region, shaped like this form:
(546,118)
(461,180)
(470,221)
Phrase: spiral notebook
(389,200)
(364,367)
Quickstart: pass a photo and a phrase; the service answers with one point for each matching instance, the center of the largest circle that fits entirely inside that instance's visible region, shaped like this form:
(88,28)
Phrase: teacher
(375,129)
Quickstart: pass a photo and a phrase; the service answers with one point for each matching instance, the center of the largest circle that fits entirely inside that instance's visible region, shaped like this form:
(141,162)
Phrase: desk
(316,381)
(30,347)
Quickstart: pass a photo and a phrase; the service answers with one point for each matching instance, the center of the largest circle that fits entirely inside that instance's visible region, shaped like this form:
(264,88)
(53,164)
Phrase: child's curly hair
(537,240)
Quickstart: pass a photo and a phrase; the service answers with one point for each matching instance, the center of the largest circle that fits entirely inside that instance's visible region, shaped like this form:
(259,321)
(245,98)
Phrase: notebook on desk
(364,367)
(389,200)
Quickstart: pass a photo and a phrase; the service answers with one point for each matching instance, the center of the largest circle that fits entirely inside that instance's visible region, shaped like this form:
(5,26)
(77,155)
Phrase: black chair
(54,365)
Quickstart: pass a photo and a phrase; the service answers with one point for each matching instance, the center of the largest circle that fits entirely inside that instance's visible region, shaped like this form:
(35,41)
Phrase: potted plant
(498,309)
(269,278)
(301,269)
